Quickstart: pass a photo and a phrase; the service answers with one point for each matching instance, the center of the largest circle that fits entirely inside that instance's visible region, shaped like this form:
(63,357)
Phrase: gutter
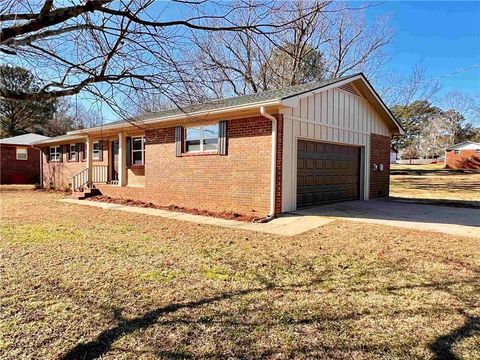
(273,168)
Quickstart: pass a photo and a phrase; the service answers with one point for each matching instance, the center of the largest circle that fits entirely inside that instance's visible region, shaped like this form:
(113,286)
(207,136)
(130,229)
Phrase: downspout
(41,164)
(273,168)
(41,167)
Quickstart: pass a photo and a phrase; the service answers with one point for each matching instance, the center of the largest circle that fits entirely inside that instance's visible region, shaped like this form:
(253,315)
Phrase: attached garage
(327,173)
(335,144)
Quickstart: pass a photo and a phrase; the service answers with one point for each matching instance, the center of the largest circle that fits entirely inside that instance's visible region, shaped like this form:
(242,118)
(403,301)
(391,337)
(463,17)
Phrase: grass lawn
(82,282)
(434,182)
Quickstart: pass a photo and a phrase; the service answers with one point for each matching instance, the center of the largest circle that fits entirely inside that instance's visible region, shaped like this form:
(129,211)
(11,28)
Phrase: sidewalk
(288,225)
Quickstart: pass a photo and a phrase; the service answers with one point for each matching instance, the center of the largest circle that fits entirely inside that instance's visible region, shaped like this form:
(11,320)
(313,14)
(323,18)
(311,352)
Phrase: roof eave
(59,140)
(176,117)
(454,146)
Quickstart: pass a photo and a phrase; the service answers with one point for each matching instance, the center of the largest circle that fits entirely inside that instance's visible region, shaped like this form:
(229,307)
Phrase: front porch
(119,168)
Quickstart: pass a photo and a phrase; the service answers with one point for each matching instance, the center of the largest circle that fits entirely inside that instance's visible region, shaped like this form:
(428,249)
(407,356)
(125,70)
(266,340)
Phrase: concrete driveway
(449,220)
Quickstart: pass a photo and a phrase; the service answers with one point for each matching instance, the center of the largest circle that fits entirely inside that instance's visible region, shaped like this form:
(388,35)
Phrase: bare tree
(403,90)
(354,45)
(332,41)
(463,104)
(114,49)
(438,133)
(147,103)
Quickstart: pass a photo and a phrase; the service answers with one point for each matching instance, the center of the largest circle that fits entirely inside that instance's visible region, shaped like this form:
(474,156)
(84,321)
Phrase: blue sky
(443,35)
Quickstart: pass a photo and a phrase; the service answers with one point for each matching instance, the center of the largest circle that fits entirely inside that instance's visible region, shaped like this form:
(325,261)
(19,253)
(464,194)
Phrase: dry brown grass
(434,182)
(83,282)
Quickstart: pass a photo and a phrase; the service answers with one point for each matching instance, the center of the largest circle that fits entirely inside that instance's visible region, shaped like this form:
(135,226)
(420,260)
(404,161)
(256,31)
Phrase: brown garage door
(327,173)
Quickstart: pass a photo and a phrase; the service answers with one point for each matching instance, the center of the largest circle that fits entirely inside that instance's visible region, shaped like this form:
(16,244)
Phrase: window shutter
(222,137)
(61,147)
(78,146)
(66,149)
(46,152)
(178,141)
(100,147)
(129,151)
(81,151)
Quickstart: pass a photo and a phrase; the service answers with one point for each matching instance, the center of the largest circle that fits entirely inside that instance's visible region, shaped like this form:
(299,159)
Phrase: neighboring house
(19,161)
(393,155)
(259,154)
(465,155)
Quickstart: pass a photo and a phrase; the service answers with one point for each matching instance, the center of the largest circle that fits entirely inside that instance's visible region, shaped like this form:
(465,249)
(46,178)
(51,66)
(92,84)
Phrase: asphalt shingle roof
(278,94)
(26,139)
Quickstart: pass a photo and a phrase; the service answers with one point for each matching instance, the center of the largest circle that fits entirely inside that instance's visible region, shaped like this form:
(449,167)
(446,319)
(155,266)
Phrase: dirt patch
(137,203)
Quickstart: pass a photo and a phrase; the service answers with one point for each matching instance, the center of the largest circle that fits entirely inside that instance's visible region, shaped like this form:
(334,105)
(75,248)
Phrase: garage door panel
(327,173)
(309,180)
(300,164)
(300,180)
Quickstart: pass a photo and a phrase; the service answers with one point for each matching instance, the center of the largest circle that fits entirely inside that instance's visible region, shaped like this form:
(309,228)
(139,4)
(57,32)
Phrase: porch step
(87,193)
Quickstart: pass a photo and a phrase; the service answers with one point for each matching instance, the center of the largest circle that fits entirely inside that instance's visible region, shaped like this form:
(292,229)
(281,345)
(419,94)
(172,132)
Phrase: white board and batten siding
(335,116)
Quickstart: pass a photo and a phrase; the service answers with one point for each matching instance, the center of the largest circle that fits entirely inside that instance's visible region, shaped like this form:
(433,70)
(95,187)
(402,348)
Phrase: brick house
(259,154)
(465,155)
(19,161)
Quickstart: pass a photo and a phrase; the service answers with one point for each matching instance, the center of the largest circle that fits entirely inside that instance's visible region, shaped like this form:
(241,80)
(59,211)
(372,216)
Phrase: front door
(115,160)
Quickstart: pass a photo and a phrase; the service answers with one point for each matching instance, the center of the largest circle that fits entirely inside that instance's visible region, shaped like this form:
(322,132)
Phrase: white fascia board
(400,130)
(59,139)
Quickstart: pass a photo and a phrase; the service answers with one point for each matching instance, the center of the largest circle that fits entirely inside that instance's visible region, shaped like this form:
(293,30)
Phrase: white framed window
(201,138)
(138,150)
(96,150)
(477,151)
(22,153)
(456,152)
(55,153)
(73,152)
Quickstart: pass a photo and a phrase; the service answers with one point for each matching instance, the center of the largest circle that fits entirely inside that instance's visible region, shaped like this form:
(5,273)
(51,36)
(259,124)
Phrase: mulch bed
(137,203)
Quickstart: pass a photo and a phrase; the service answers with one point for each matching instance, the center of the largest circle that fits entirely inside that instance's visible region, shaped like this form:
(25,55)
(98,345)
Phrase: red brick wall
(58,174)
(379,154)
(13,171)
(238,182)
(467,159)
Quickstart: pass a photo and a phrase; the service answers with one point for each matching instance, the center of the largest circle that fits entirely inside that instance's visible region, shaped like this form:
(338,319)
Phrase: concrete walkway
(288,225)
(444,219)
(448,220)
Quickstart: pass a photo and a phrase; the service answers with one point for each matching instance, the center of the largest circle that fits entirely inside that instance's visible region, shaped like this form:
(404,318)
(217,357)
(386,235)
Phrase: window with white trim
(138,150)
(477,151)
(201,138)
(456,152)
(22,153)
(55,153)
(73,152)
(96,150)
